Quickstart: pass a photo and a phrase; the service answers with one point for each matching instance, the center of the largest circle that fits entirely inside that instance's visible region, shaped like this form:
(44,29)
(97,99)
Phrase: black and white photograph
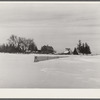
(49,45)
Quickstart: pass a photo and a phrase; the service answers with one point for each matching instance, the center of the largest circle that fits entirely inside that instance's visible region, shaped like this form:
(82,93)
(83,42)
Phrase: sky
(60,25)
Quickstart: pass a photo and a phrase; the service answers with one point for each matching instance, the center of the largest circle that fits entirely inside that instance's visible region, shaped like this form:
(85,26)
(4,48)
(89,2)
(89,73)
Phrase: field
(20,71)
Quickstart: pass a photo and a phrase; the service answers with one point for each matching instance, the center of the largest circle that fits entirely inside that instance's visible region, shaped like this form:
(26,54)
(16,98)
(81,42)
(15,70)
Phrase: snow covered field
(20,71)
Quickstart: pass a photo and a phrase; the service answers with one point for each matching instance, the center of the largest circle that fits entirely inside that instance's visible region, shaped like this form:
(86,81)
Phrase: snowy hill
(20,71)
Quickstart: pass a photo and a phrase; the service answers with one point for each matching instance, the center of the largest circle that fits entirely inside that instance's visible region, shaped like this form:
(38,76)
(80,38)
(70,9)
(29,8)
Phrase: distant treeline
(82,48)
(22,45)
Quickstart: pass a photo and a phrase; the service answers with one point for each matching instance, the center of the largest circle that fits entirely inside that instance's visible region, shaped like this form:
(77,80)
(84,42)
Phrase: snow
(20,71)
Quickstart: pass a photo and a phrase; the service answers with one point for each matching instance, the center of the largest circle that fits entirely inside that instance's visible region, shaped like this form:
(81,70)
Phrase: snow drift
(20,71)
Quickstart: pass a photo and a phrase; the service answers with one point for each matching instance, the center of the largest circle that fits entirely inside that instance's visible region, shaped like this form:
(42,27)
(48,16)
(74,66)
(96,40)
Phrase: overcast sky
(60,25)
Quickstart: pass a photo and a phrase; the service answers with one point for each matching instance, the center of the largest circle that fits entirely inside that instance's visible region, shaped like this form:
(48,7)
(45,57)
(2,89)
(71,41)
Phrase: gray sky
(60,25)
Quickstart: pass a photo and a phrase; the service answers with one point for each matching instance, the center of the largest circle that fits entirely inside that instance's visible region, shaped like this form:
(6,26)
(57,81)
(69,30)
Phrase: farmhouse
(67,51)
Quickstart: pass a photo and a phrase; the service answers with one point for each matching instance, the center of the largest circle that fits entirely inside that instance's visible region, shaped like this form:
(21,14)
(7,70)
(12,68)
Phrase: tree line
(82,48)
(22,45)
(17,44)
